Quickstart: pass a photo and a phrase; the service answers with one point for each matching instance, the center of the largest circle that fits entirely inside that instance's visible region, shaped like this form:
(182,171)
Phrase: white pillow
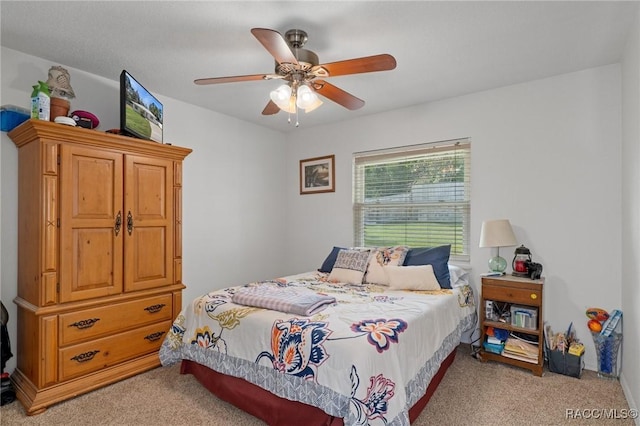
(381,257)
(350,266)
(418,277)
(459,276)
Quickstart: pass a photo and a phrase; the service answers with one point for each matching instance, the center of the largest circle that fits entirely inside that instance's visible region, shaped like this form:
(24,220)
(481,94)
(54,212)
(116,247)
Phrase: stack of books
(518,349)
(493,345)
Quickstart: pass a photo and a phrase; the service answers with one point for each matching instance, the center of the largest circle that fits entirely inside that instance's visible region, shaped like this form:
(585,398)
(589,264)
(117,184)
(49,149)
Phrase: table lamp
(497,233)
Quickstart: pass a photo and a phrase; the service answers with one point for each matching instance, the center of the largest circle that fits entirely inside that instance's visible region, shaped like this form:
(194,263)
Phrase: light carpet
(471,393)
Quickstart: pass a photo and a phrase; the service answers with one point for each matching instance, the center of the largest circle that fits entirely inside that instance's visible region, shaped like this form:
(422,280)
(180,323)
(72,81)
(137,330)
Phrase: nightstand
(524,296)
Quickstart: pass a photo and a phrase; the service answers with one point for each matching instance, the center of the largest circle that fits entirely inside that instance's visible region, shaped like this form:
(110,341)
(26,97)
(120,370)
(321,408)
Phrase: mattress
(367,358)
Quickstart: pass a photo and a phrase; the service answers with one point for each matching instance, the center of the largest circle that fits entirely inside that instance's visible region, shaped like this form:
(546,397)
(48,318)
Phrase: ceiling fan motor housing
(296,38)
(306,58)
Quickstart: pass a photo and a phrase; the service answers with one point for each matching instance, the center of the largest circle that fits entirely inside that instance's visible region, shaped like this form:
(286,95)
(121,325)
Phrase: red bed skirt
(279,411)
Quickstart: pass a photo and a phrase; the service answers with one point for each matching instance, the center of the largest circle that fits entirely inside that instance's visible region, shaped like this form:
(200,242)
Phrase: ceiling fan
(303,74)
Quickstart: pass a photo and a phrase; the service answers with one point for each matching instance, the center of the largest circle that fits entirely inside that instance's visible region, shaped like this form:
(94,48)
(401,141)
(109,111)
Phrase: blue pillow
(437,257)
(327,265)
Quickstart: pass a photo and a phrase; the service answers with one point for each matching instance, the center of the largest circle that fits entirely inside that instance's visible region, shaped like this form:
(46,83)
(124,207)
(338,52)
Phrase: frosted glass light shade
(282,97)
(287,101)
(314,105)
(307,99)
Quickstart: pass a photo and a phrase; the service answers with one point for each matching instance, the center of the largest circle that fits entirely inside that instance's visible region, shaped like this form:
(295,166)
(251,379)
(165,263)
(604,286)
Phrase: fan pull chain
(289,118)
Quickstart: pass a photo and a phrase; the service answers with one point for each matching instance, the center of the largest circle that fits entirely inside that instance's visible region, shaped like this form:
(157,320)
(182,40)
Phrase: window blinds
(417,196)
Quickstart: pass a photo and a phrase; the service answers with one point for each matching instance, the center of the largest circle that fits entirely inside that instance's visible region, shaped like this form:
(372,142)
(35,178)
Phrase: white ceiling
(443,49)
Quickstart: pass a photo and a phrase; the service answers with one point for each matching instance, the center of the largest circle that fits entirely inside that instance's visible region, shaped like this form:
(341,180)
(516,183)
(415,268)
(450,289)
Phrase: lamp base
(497,264)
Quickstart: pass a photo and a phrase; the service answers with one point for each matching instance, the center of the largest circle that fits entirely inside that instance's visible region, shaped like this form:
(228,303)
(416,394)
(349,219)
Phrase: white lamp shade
(497,233)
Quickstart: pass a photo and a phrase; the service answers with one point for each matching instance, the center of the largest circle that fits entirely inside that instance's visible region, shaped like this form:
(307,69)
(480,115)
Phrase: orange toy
(594,325)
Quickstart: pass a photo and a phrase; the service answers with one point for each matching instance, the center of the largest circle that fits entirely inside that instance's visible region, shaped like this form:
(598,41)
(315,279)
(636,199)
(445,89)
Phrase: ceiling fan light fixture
(313,106)
(281,97)
(291,106)
(307,99)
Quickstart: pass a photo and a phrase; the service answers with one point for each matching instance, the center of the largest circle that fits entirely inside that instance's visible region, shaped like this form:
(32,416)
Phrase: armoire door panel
(149,241)
(93,182)
(91,248)
(93,259)
(150,183)
(150,253)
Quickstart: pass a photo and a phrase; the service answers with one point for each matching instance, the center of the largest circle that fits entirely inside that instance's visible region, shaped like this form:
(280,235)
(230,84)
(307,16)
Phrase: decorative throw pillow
(381,257)
(350,266)
(420,277)
(328,263)
(438,257)
(459,276)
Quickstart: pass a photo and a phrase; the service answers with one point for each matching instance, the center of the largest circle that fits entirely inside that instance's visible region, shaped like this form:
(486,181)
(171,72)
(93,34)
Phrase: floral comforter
(367,358)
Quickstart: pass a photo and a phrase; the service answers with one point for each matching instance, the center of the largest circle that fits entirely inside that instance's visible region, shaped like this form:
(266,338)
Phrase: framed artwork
(317,175)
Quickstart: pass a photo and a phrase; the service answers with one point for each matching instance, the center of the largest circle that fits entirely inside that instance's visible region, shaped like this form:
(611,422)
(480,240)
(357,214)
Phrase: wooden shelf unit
(513,291)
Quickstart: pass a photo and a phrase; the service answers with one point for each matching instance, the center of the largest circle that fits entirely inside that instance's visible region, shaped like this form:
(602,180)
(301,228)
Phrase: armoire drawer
(91,356)
(89,324)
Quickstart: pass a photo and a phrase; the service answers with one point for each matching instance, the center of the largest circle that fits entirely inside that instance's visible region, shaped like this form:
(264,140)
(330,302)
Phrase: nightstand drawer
(522,296)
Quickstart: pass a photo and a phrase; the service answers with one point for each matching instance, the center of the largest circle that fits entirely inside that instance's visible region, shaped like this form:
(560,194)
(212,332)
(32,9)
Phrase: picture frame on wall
(317,175)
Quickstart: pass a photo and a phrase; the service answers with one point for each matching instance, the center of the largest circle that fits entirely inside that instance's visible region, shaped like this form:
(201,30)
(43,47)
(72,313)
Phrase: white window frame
(450,203)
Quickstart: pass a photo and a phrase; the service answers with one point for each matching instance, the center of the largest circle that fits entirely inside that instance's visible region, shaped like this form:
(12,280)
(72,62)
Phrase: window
(417,196)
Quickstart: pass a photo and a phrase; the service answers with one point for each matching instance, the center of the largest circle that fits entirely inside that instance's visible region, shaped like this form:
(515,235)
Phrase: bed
(366,353)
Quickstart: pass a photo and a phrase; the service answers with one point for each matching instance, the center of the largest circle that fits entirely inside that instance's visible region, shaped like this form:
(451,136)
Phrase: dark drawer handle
(129,223)
(154,336)
(154,308)
(87,356)
(88,323)
(118,224)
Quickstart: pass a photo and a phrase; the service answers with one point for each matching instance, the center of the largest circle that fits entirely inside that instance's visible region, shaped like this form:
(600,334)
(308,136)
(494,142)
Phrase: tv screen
(140,112)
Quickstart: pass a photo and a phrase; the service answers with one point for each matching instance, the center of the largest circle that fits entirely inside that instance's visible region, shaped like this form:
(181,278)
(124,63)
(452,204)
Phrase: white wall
(544,154)
(232,198)
(631,216)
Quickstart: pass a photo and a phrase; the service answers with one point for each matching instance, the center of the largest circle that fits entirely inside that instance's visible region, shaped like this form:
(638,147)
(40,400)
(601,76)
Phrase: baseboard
(627,394)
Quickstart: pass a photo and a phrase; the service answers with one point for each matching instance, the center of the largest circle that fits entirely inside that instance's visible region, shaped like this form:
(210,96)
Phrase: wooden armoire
(99,258)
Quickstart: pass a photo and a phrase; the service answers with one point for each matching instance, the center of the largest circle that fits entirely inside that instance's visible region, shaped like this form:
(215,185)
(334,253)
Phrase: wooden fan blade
(337,95)
(275,44)
(231,79)
(270,109)
(382,62)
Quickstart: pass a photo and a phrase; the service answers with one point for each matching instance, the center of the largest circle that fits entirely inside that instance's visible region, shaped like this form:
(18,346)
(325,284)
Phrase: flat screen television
(140,112)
